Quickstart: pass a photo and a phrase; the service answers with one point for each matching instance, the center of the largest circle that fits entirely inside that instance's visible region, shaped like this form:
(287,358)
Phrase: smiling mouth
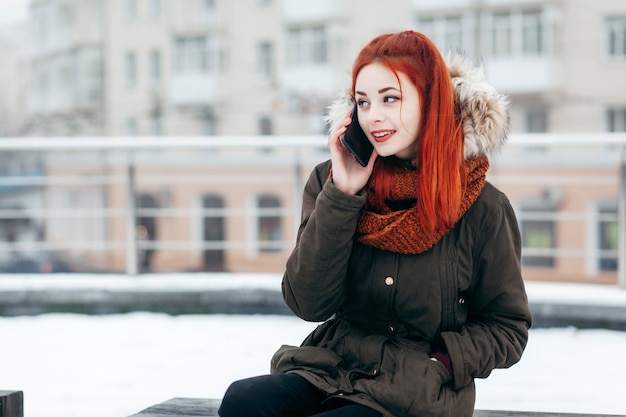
(383,135)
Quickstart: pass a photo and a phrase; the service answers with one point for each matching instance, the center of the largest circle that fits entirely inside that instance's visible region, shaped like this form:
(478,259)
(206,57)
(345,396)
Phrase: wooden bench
(190,407)
(12,404)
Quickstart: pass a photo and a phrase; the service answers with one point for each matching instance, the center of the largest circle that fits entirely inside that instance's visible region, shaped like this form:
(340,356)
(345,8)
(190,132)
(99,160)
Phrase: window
(154,7)
(616,37)
(40,24)
(156,125)
(213,232)
(447,32)
(265,60)
(535,120)
(131,69)
(66,16)
(42,81)
(538,240)
(65,76)
(207,12)
(515,33)
(269,233)
(427,27)
(453,38)
(93,71)
(501,35)
(608,235)
(532,34)
(307,45)
(538,227)
(209,124)
(616,119)
(155,69)
(130,9)
(265,125)
(193,54)
(146,230)
(130,127)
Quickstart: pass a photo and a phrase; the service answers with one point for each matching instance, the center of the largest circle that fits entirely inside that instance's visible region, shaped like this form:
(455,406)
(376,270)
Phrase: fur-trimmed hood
(484,111)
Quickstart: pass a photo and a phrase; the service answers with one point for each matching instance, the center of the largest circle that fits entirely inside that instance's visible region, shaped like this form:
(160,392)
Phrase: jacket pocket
(444,375)
(311,358)
(411,384)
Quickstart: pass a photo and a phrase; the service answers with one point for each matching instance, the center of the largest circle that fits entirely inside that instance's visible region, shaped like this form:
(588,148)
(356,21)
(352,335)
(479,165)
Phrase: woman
(412,262)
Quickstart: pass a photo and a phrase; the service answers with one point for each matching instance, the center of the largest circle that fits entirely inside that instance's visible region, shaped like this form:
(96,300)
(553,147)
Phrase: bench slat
(491,413)
(11,404)
(191,407)
(180,407)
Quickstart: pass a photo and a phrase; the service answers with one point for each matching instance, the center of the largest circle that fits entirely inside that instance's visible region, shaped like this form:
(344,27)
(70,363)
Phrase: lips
(383,135)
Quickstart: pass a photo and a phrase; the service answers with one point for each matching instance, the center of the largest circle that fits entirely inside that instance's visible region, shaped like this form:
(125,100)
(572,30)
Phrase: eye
(391,99)
(362,103)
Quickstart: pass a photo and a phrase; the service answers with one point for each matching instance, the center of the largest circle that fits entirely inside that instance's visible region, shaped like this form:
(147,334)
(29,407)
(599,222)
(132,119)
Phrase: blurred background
(176,135)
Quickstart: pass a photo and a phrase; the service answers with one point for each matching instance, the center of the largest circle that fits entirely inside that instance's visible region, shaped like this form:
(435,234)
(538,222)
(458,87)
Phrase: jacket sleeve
(313,284)
(499,316)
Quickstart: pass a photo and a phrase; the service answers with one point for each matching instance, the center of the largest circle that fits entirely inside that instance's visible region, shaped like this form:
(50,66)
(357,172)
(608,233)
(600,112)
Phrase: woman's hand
(348,175)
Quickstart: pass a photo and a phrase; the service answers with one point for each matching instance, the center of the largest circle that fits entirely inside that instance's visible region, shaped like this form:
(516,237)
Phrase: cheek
(412,121)
(363,125)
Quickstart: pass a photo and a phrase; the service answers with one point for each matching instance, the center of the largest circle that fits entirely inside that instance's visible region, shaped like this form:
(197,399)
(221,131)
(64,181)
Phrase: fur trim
(485,112)
(340,106)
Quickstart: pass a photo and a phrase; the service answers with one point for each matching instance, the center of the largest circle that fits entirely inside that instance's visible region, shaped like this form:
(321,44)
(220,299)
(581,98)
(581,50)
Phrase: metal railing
(102,179)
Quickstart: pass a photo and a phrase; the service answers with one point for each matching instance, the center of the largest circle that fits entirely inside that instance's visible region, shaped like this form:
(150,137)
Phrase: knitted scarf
(396,226)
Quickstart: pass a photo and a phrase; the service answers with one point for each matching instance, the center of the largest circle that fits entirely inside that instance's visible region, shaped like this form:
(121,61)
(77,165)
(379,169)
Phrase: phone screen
(356,142)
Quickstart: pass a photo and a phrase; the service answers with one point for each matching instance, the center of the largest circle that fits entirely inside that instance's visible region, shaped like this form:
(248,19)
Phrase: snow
(72,365)
(576,294)
(558,293)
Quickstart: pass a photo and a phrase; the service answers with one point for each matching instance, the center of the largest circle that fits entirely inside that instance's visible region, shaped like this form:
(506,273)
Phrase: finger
(334,137)
(373,157)
(348,118)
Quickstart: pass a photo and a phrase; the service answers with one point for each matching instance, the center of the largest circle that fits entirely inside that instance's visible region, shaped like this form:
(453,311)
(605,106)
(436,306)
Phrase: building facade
(14,79)
(227,68)
(233,204)
(247,67)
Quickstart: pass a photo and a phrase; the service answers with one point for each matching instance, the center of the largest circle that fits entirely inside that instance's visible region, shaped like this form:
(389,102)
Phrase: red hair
(440,158)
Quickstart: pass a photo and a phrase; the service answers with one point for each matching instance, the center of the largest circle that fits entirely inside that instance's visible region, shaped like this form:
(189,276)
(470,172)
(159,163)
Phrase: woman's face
(389,112)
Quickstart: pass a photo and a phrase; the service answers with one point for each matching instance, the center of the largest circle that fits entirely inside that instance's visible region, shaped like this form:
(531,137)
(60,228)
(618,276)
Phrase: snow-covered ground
(113,366)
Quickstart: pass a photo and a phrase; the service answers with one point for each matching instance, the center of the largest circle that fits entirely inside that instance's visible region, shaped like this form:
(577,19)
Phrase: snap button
(391,329)
(388,281)
(461,300)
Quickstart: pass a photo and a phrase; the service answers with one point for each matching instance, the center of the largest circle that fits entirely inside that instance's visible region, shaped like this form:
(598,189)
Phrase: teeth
(378,135)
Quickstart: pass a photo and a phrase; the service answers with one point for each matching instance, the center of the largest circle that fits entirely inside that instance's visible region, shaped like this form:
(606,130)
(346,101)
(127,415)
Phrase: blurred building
(152,67)
(14,79)
(218,67)
(559,61)
(18,200)
(270,67)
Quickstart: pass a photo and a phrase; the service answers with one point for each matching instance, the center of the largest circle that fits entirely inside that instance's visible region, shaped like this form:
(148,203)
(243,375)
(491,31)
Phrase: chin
(384,153)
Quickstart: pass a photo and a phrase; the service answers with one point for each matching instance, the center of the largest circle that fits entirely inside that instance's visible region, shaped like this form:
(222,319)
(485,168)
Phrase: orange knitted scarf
(399,229)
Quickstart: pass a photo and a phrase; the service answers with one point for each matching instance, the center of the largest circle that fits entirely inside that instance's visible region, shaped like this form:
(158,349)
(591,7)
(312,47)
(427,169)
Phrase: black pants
(284,395)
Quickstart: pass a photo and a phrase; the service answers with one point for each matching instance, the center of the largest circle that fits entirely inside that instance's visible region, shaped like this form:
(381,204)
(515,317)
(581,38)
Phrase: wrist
(444,358)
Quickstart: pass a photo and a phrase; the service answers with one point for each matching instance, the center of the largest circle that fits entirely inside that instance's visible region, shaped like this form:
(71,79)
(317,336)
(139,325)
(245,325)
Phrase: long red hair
(440,158)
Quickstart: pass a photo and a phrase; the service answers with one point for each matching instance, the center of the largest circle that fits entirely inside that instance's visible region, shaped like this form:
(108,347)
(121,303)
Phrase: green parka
(385,313)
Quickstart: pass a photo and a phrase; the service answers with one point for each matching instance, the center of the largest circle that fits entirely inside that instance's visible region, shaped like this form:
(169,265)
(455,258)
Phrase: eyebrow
(381,91)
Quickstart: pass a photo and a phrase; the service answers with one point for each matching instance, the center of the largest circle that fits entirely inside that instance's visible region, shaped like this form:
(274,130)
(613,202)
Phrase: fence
(233,203)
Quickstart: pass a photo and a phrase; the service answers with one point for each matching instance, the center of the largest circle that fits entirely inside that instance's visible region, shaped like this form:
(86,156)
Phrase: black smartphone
(356,142)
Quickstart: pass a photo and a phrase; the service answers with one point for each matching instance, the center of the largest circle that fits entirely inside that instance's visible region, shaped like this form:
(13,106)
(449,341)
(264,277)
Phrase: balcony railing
(169,204)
